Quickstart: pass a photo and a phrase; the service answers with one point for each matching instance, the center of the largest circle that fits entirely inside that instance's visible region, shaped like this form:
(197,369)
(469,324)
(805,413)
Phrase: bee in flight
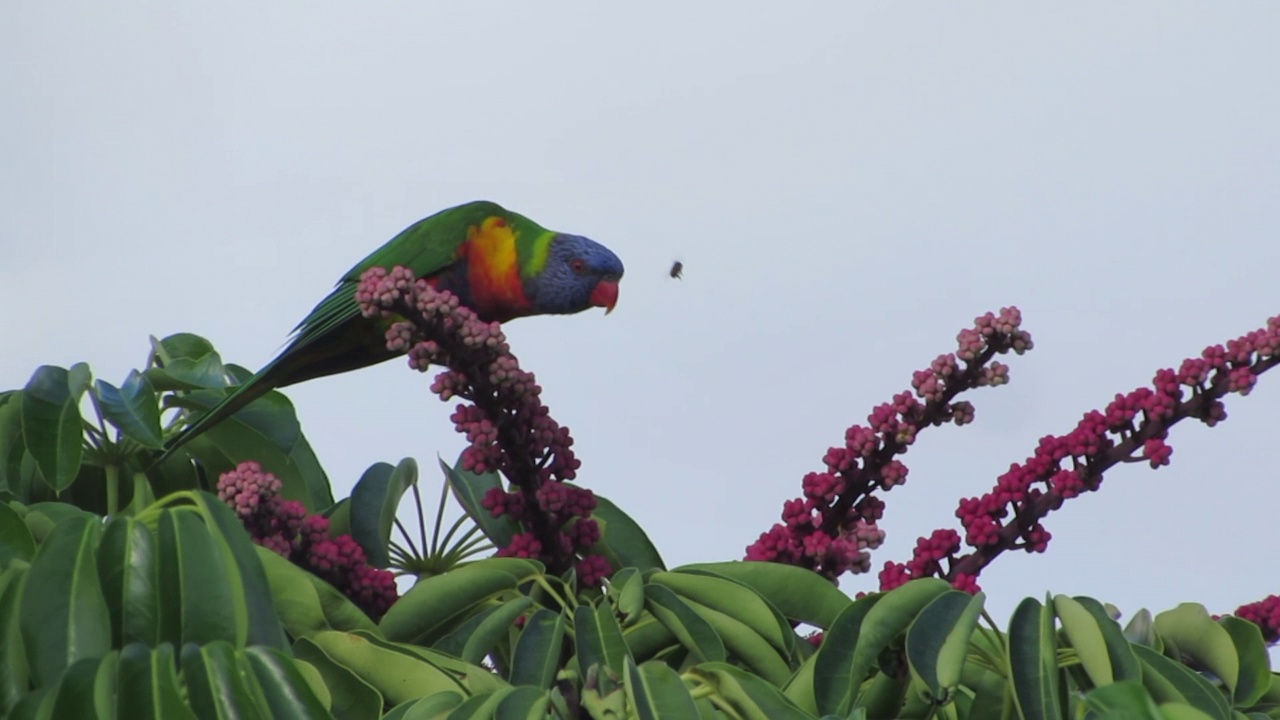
(676,269)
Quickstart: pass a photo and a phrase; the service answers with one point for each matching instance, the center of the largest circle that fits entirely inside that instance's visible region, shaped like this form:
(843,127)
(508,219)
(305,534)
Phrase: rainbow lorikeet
(500,264)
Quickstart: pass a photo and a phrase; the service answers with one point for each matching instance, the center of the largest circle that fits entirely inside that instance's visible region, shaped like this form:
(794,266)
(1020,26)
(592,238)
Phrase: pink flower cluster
(1266,615)
(284,527)
(508,428)
(832,528)
(1134,427)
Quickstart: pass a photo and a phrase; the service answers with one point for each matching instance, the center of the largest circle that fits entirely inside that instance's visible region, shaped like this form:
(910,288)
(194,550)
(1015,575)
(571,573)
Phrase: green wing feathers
(334,338)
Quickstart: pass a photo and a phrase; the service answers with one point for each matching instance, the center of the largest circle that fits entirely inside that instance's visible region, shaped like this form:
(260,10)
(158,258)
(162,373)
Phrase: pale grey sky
(847,185)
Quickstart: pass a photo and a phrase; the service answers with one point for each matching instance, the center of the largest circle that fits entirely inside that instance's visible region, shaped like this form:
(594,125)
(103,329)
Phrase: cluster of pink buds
(284,527)
(832,528)
(1266,615)
(507,427)
(1133,428)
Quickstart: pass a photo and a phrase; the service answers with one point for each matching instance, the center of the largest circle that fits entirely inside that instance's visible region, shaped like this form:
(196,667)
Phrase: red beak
(605,295)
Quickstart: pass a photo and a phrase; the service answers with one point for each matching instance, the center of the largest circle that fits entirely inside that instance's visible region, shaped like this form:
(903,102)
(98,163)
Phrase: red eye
(578,265)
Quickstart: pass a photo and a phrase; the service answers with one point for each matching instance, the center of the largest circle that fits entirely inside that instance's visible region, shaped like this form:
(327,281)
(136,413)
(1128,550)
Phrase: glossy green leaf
(147,684)
(63,613)
(374,502)
(748,695)
(217,685)
(1189,634)
(433,707)
(744,643)
(1033,665)
(79,378)
(1084,633)
(52,426)
(1255,664)
(288,695)
(690,628)
(1169,681)
(473,639)
(800,595)
(15,672)
(128,565)
(733,599)
(430,608)
(938,640)
(469,489)
(267,431)
(1141,630)
(656,692)
(201,593)
(1123,663)
(351,698)
(536,657)
(263,626)
(397,676)
(834,680)
(76,694)
(599,638)
(133,408)
(12,445)
(473,677)
(622,541)
(16,541)
(1123,699)
(305,603)
(885,621)
(625,590)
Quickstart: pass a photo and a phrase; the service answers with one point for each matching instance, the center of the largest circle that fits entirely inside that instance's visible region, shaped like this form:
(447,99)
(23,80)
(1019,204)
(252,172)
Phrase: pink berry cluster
(509,429)
(1134,427)
(1266,615)
(832,528)
(284,527)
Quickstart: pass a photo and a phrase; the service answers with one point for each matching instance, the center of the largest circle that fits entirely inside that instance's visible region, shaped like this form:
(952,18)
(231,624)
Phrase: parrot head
(579,273)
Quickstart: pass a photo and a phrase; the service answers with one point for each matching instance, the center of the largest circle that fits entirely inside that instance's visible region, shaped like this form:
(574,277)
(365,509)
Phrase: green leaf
(693,632)
(469,489)
(1123,699)
(396,675)
(12,446)
(744,643)
(1189,634)
(142,498)
(374,502)
(625,590)
(432,707)
(749,696)
(1141,630)
(536,657)
(63,612)
(216,683)
(883,623)
(800,595)
(133,408)
(1033,663)
(287,692)
(656,692)
(622,541)
(129,570)
(938,641)
(522,703)
(147,684)
(1123,663)
(1255,664)
(305,603)
(1170,681)
(432,606)
(16,541)
(201,596)
(263,626)
(15,673)
(79,378)
(75,694)
(52,427)
(733,599)
(599,638)
(473,639)
(1084,632)
(351,698)
(267,431)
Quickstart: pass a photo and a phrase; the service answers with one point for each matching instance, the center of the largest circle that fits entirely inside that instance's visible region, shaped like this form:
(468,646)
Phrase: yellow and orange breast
(493,270)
